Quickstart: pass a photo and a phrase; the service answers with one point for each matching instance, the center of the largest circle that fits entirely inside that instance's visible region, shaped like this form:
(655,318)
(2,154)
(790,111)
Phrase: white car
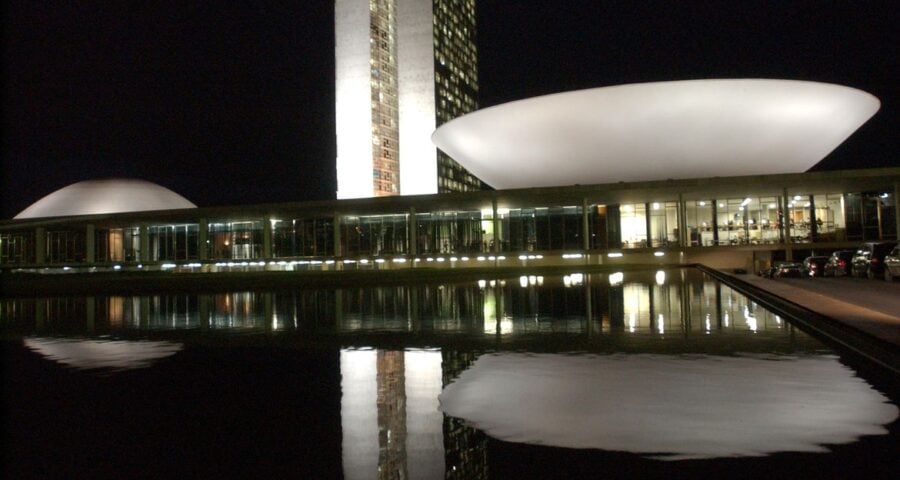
(892,264)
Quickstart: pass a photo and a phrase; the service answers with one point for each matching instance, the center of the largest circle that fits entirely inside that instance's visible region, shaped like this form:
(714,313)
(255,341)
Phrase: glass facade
(385,103)
(303,237)
(456,82)
(374,235)
(122,244)
(235,240)
(522,225)
(16,248)
(180,242)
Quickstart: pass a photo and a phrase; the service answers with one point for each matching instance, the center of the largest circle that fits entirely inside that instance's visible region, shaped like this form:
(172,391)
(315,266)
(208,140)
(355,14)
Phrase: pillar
(683,236)
(412,227)
(90,244)
(338,251)
(144,233)
(647,223)
(496,228)
(813,228)
(715,221)
(203,239)
(267,238)
(786,225)
(40,245)
(585,226)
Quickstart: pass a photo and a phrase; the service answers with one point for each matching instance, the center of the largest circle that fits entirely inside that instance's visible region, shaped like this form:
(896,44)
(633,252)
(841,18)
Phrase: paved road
(876,295)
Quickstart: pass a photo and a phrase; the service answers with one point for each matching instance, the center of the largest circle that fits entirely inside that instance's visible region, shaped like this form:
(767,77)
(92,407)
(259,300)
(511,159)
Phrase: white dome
(656,131)
(105,196)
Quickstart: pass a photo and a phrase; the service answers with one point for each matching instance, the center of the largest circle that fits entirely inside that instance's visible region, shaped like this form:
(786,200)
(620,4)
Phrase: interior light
(745,202)
(702,203)
(772,205)
(659,254)
(616,278)
(797,197)
(721,205)
(614,254)
(655,206)
(502,211)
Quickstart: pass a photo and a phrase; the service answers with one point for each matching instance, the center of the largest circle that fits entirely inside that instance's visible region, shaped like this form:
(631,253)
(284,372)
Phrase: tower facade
(403,67)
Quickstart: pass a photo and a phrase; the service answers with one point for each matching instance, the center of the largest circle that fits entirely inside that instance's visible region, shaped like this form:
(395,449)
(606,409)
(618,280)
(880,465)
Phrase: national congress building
(711,171)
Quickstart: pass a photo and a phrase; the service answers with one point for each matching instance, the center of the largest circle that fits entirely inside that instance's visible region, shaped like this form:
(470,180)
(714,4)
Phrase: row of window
(732,221)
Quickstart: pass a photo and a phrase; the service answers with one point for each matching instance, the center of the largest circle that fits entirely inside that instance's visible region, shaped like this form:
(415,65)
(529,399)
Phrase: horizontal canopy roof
(656,131)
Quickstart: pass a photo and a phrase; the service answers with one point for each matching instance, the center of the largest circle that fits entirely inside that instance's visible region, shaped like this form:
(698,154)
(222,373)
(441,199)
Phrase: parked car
(838,263)
(788,269)
(814,266)
(892,264)
(869,259)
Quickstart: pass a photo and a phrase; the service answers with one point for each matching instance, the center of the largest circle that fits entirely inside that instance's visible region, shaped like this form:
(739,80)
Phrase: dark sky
(230,104)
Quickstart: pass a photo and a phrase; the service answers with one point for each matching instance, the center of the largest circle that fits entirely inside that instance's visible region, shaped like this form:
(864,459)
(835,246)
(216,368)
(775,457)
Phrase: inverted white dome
(105,196)
(656,131)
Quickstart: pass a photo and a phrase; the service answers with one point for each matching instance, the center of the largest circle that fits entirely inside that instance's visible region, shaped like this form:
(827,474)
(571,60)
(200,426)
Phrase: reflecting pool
(631,374)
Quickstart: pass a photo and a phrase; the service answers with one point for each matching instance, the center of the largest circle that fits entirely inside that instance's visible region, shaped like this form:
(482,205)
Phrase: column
(585,226)
(203,239)
(715,221)
(786,226)
(813,228)
(496,228)
(683,237)
(412,227)
(40,245)
(90,244)
(267,238)
(144,233)
(648,224)
(337,235)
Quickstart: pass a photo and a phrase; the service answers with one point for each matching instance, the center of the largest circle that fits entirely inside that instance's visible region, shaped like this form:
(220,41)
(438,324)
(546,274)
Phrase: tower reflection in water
(391,420)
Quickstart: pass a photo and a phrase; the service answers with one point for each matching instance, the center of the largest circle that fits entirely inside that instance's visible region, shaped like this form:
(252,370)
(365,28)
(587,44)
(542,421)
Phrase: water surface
(646,373)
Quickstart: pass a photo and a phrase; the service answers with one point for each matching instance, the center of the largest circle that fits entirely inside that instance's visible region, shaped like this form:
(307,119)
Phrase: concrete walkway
(843,300)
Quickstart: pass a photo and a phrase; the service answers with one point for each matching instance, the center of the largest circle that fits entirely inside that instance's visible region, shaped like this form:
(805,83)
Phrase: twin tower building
(403,67)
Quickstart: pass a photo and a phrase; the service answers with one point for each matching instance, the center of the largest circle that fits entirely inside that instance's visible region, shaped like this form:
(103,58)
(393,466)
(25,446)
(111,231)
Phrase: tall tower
(403,67)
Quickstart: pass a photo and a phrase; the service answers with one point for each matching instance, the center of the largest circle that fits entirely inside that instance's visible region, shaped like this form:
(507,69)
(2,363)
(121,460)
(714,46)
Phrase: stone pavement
(839,301)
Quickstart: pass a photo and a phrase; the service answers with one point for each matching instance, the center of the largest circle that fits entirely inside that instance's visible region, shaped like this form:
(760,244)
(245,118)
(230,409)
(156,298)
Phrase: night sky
(234,104)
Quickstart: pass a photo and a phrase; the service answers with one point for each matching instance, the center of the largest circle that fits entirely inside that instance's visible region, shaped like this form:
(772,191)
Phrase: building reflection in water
(660,304)
(389,413)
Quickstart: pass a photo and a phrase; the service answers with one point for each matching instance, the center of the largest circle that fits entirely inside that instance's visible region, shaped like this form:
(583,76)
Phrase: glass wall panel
(800,218)
(830,225)
(542,228)
(174,242)
(374,235)
(633,218)
(235,240)
(600,219)
(303,237)
(16,248)
(748,220)
(663,224)
(699,221)
(450,232)
(117,244)
(65,246)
